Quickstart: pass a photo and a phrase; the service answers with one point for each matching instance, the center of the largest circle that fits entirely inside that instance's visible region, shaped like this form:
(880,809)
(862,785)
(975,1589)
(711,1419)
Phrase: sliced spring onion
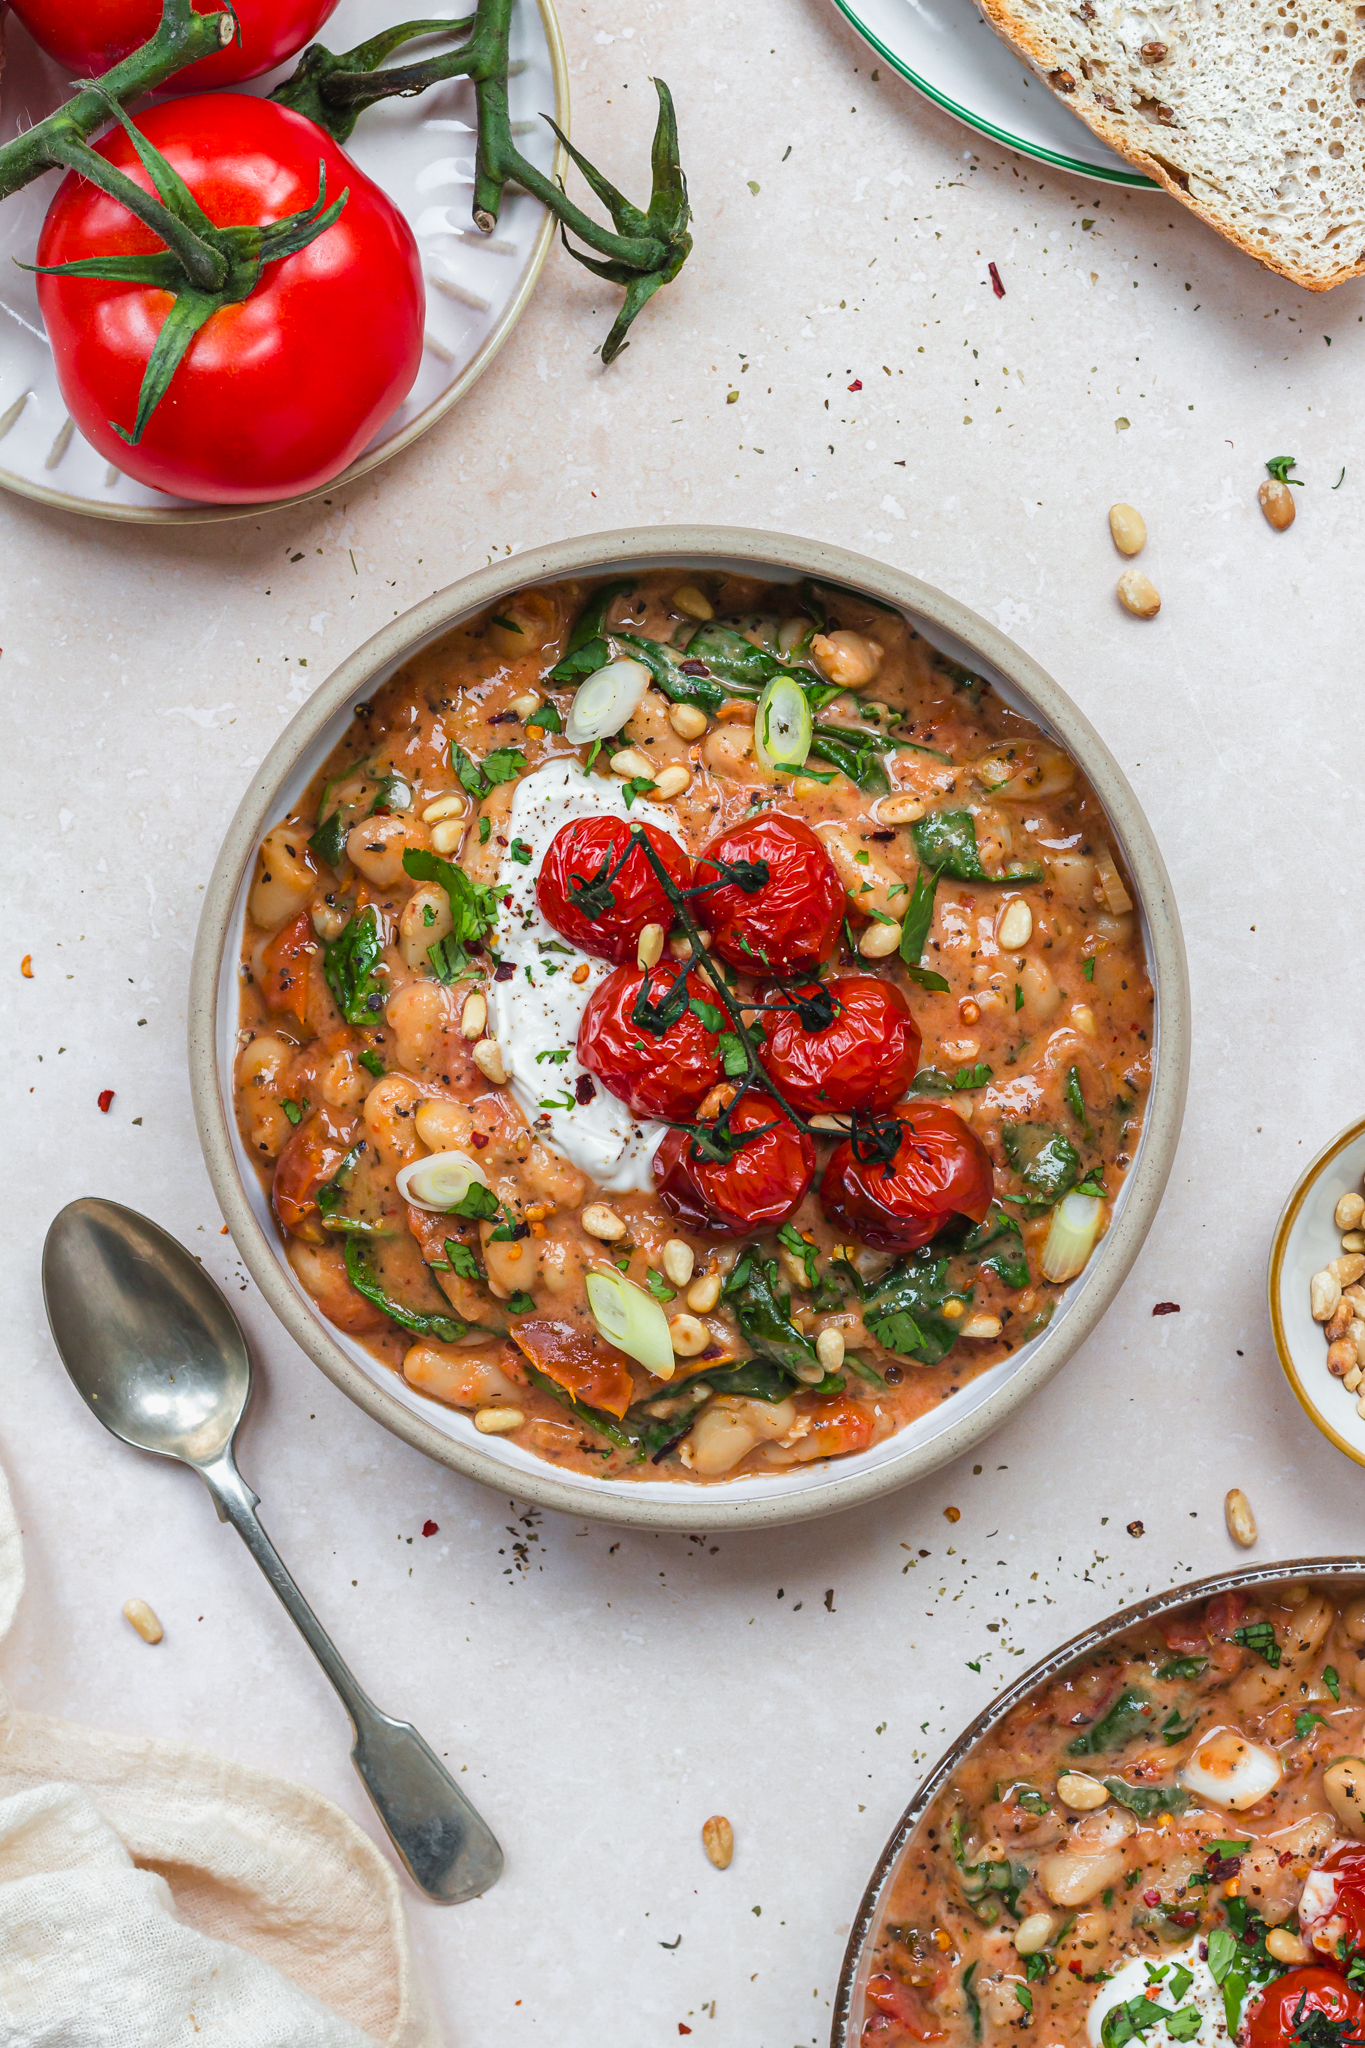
(631,1320)
(792,632)
(1071,1236)
(440,1181)
(605,700)
(1116,898)
(782,725)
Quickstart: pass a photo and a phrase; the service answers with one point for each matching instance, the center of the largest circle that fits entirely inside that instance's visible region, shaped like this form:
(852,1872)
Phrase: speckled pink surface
(608,1691)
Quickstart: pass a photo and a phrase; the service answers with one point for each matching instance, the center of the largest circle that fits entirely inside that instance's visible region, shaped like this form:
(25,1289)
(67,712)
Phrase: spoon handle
(449,1850)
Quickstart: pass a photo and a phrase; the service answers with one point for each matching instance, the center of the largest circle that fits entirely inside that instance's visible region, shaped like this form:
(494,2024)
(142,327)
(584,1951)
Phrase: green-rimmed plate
(948,53)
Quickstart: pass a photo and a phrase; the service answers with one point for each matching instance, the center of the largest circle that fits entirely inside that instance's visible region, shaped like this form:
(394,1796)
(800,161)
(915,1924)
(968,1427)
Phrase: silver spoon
(157,1355)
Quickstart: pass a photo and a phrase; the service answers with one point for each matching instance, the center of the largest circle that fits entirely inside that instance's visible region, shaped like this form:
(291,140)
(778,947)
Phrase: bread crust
(1060,70)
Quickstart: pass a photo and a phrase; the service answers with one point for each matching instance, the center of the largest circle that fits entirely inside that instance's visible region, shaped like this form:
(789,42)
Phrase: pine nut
(1324,1292)
(1033,1934)
(498,1421)
(143,1620)
(879,941)
(897,810)
(650,949)
(1240,1520)
(1138,595)
(630,763)
(1347,1268)
(1277,502)
(1360,1407)
(679,1260)
(600,1221)
(826,1122)
(673,780)
(1353,1241)
(446,837)
(1353,1378)
(1015,928)
(1080,1792)
(1129,529)
(1285,1947)
(718,1840)
(703,1294)
(981,1326)
(524,706)
(474,1015)
(1348,1212)
(488,1059)
(1083,1017)
(829,1349)
(689,1336)
(1341,1356)
(453,805)
(688,721)
(692,603)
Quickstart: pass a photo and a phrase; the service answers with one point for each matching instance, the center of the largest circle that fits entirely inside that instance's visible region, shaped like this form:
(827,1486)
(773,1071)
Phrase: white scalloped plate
(420,151)
(947,51)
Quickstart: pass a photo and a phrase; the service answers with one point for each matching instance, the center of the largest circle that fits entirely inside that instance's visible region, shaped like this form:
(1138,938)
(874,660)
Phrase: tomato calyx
(204,267)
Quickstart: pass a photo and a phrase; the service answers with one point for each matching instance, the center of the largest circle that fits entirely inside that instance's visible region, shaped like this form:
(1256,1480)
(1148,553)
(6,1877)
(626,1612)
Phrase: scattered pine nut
(474,1015)
(488,1059)
(690,1337)
(601,1222)
(650,949)
(1277,502)
(452,806)
(678,1261)
(673,780)
(692,603)
(1348,1212)
(1285,1947)
(143,1620)
(631,764)
(524,706)
(1080,1792)
(498,1421)
(1033,1933)
(879,941)
(718,1840)
(897,810)
(829,1349)
(1138,594)
(1015,928)
(703,1294)
(1240,1520)
(688,721)
(981,1327)
(1324,1293)
(1129,529)
(446,836)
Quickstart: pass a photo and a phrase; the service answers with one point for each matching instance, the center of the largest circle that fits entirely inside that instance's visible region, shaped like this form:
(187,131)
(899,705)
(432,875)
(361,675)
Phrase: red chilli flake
(856,385)
(106,1096)
(996,285)
(431,1528)
(1166,1308)
(1151,1898)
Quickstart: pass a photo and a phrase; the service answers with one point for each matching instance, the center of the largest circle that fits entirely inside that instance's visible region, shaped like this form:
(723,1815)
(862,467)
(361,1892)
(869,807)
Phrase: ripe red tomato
(791,922)
(588,847)
(277,393)
(664,1076)
(88,36)
(1277,2016)
(1333,1903)
(941,1169)
(866,1057)
(764,1182)
(897,2012)
(310,1159)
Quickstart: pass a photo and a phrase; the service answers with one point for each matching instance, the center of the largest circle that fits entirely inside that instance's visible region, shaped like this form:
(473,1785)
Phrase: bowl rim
(700,1508)
(1094,1637)
(199,512)
(1279,1246)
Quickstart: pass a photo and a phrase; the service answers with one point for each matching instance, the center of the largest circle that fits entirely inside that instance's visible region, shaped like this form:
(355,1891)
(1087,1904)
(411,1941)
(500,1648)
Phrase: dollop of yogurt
(1132,1981)
(537,1011)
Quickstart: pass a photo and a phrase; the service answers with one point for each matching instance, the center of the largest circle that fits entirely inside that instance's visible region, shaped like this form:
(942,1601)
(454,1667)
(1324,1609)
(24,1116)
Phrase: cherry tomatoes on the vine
(866,1058)
(88,36)
(1282,2014)
(584,852)
(786,925)
(940,1170)
(1332,1909)
(665,1074)
(764,1182)
(278,391)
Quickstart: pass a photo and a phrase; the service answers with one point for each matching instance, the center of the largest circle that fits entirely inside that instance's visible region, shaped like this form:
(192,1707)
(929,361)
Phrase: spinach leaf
(1008,1259)
(504,764)
(473,907)
(586,637)
(545,718)
(349,964)
(329,841)
(915,931)
(1331,1681)
(606,1425)
(1047,1163)
(1075,1100)
(791,1237)
(1129,1717)
(1238,1958)
(476,1203)
(987,1886)
(1260,1637)
(971,2001)
(1175,1728)
(1184,1667)
(447,1329)
(1145,1800)
(462,1260)
(730,656)
(930,1081)
(393,794)
(664,667)
(903,1310)
(946,841)
(854,754)
(764,1314)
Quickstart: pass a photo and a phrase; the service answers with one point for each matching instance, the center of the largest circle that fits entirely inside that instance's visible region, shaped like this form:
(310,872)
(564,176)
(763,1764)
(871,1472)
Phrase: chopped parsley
(294,1111)
(1260,1637)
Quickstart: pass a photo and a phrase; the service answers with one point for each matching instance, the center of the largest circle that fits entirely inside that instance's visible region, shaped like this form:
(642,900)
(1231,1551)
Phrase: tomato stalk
(61,141)
(643,249)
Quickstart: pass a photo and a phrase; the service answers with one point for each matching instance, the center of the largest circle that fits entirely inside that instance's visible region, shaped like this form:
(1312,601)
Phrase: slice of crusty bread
(1248,111)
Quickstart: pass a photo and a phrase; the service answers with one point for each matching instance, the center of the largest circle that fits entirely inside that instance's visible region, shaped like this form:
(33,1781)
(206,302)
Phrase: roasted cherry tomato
(284,985)
(866,1058)
(790,922)
(1278,2016)
(88,36)
(896,2012)
(664,1076)
(593,1371)
(1332,1909)
(278,391)
(761,1186)
(940,1170)
(584,852)
(307,1163)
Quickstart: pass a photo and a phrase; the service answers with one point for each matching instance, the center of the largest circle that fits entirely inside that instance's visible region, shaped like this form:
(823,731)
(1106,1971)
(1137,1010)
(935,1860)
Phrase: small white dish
(420,151)
(1307,1239)
(950,54)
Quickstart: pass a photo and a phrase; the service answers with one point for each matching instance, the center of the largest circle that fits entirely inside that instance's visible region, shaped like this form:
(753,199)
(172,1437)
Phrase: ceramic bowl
(1307,1239)
(1342,1573)
(448,1435)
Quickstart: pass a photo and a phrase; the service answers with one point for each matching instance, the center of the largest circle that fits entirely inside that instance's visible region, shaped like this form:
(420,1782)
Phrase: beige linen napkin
(156,1896)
